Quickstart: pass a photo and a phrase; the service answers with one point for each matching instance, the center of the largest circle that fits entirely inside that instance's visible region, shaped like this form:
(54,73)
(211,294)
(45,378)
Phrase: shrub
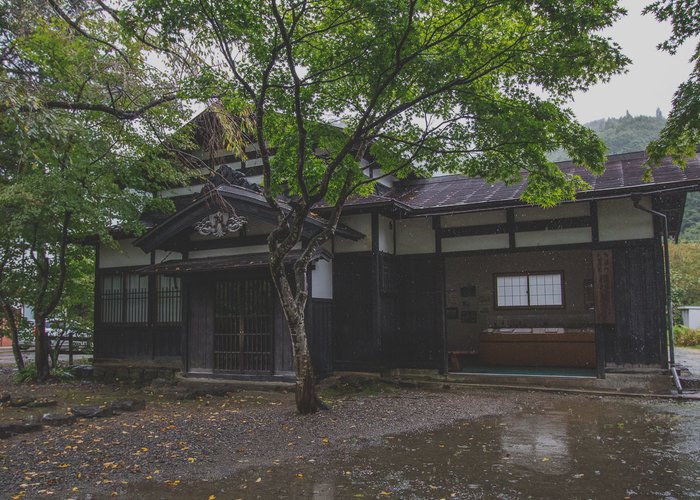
(28,374)
(684,336)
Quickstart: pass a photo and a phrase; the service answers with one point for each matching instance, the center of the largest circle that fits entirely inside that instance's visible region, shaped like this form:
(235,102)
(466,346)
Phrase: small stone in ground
(92,411)
(57,419)
(20,401)
(83,371)
(161,382)
(41,403)
(7,430)
(5,397)
(127,405)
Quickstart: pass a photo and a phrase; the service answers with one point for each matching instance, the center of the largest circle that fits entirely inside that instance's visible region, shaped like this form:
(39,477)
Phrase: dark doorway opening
(243,326)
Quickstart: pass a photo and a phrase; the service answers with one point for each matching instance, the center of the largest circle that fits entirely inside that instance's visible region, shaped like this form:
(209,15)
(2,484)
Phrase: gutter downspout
(669,303)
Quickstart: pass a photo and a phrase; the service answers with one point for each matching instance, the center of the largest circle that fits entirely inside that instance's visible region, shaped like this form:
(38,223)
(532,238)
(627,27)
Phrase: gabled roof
(246,203)
(624,174)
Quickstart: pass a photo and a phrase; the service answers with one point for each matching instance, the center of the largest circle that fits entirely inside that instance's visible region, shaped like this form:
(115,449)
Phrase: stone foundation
(136,374)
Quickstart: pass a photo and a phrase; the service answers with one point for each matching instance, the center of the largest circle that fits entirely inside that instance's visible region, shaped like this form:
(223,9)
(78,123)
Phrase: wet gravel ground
(401,443)
(174,441)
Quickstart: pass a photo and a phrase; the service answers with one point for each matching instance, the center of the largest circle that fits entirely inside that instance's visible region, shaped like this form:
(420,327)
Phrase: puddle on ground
(577,448)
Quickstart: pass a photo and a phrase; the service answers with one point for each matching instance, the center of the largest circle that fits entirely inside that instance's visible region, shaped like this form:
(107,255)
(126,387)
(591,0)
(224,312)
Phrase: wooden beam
(510,218)
(595,231)
(512,227)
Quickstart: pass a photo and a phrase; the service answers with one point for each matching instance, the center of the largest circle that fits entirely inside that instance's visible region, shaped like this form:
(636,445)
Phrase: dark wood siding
(639,337)
(284,360)
(417,341)
(320,335)
(137,342)
(200,313)
(355,347)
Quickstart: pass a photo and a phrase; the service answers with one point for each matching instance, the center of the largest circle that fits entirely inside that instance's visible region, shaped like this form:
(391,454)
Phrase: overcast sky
(653,75)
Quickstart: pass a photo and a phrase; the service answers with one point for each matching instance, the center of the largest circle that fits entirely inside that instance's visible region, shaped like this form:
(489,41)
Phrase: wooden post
(70,348)
(604,303)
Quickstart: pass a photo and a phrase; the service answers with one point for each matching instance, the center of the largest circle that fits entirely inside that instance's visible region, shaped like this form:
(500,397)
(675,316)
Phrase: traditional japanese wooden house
(448,274)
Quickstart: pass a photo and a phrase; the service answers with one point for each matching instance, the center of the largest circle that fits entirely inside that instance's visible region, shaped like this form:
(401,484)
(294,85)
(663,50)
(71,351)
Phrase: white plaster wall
(553,237)
(386,235)
(579,209)
(164,256)
(322,280)
(361,223)
(415,236)
(473,219)
(125,255)
(620,220)
(469,243)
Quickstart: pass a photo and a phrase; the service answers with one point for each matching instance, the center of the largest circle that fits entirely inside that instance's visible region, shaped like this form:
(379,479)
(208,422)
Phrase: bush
(685,337)
(28,374)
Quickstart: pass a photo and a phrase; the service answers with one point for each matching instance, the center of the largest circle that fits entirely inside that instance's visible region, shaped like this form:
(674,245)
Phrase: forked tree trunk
(306,398)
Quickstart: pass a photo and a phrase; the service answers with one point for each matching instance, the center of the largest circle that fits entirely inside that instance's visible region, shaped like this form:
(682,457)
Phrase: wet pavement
(570,446)
(689,358)
(7,358)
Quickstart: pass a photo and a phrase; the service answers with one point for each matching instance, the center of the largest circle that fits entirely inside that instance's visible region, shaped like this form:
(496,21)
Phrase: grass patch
(28,374)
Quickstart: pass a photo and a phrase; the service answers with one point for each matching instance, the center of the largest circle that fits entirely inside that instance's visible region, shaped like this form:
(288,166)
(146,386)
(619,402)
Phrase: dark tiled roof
(623,174)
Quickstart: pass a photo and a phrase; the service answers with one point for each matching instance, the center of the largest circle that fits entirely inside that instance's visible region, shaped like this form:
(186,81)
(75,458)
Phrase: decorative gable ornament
(220,223)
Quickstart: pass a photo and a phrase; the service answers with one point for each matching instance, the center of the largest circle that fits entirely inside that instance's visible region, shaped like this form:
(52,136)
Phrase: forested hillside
(625,134)
(632,133)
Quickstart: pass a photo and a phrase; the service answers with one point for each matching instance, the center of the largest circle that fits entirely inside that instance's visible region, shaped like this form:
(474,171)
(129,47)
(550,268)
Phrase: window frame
(158,305)
(123,275)
(527,274)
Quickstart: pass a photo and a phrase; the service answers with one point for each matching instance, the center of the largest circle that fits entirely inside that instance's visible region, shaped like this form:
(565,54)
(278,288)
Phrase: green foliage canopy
(681,135)
(81,122)
(423,86)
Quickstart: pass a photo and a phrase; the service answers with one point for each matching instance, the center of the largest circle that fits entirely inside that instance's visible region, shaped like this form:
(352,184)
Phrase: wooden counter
(574,349)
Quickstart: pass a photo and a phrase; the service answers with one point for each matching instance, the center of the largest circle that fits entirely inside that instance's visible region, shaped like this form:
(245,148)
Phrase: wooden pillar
(604,303)
(440,285)
(152,299)
(376,289)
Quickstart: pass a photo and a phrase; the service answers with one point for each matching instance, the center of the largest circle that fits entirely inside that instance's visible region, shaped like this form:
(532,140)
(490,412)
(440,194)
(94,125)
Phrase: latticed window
(124,298)
(112,299)
(169,300)
(530,290)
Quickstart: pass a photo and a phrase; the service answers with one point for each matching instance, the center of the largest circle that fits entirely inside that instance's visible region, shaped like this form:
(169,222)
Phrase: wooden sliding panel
(603,287)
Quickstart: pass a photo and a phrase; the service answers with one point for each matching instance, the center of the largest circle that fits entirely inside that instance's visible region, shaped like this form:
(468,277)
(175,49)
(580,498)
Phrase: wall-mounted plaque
(468,317)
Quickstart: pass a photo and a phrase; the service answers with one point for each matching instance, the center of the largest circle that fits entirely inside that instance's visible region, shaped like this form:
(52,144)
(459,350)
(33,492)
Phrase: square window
(530,290)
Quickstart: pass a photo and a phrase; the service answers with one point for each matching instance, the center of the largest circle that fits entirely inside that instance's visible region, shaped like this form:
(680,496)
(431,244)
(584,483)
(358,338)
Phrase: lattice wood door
(243,326)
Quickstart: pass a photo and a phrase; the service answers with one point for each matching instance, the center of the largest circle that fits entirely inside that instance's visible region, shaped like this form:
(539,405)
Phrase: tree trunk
(293,306)
(306,399)
(14,333)
(41,350)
